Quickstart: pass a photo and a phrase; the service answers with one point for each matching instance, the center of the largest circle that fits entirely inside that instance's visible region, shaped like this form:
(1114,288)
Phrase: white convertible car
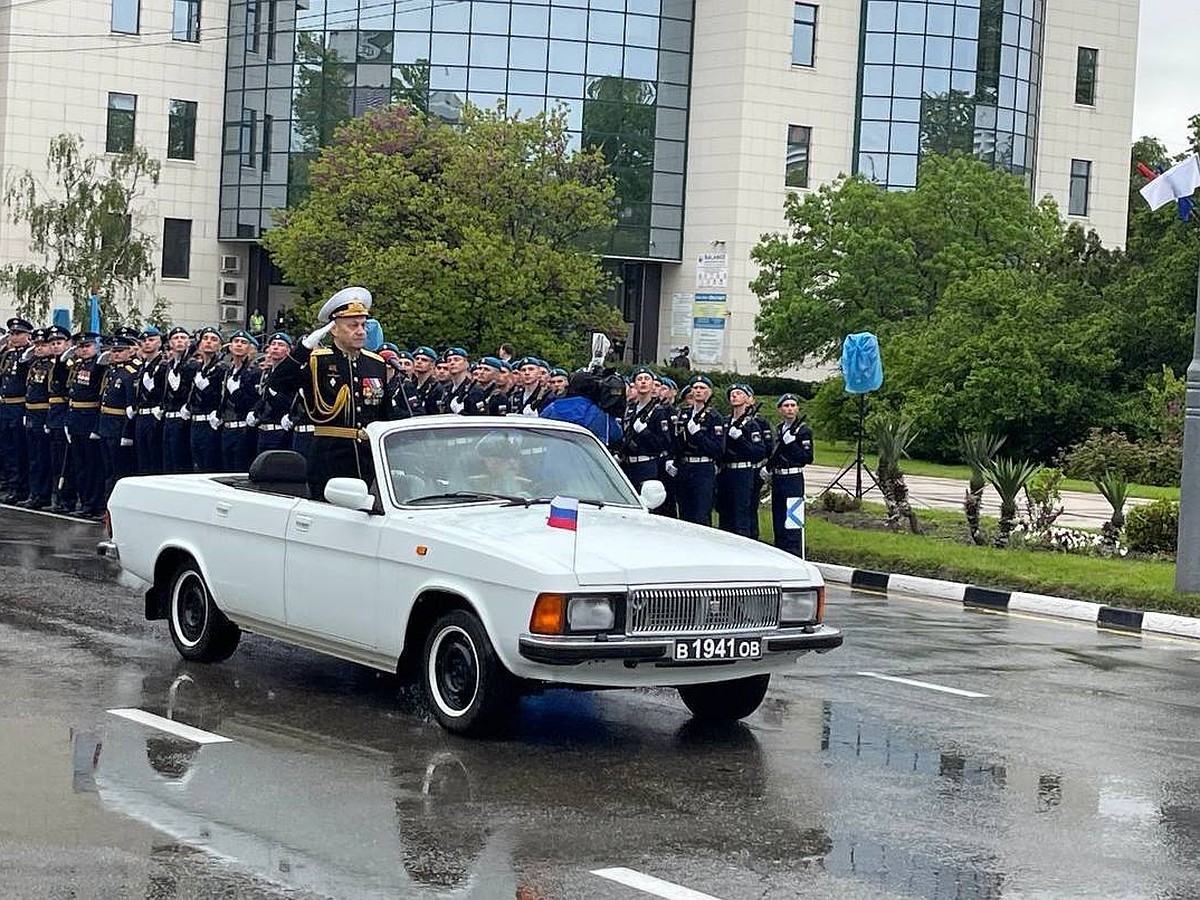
(447,566)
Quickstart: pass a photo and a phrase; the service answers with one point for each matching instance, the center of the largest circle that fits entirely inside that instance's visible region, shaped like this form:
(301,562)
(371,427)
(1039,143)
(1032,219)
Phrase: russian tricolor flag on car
(564,513)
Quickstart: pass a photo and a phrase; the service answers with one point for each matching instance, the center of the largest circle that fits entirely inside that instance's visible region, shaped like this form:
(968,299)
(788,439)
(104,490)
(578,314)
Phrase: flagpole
(1187,547)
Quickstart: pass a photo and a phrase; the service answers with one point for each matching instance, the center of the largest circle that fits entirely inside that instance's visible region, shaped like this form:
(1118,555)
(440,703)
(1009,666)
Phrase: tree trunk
(903,507)
(1008,521)
(884,475)
(972,503)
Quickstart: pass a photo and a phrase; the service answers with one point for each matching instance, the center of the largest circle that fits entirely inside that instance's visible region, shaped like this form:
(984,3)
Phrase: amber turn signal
(549,614)
(821,603)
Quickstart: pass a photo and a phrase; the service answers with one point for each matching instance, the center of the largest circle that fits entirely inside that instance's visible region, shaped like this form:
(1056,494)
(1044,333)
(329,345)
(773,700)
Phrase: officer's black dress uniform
(14,458)
(177,447)
(37,432)
(148,424)
(747,441)
(61,473)
(118,388)
(83,420)
(793,451)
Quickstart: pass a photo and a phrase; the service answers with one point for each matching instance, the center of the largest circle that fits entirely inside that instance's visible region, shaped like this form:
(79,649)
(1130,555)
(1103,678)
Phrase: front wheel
(199,630)
(469,690)
(725,700)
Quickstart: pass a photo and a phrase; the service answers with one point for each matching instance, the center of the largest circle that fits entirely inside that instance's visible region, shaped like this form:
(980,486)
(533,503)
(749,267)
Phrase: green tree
(85,229)
(464,234)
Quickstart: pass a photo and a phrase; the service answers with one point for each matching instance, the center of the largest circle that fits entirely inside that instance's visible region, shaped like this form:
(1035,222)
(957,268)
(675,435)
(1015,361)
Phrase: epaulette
(373,355)
(321,351)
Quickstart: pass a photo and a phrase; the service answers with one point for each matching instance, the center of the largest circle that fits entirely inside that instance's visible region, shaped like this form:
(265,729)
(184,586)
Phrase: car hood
(617,545)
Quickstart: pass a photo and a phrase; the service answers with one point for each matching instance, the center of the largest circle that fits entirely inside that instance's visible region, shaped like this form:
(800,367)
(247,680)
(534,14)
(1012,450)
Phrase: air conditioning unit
(231,264)
(232,289)
(232,313)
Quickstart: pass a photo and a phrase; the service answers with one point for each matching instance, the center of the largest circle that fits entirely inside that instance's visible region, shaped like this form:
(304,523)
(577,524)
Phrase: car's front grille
(715,609)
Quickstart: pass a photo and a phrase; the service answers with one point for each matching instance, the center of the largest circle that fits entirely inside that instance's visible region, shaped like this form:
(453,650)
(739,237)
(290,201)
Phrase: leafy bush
(1144,463)
(832,412)
(1153,527)
(839,502)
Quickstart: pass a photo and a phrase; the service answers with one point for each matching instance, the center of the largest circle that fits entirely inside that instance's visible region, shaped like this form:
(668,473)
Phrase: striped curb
(1109,617)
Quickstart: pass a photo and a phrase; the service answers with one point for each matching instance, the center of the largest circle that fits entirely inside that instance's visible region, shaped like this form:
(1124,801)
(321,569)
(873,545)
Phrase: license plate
(717,648)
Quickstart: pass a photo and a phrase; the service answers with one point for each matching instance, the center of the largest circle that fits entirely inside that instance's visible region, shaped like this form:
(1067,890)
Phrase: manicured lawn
(838,453)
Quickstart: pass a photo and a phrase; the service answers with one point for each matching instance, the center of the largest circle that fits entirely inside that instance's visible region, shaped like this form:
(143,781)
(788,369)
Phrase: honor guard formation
(81,411)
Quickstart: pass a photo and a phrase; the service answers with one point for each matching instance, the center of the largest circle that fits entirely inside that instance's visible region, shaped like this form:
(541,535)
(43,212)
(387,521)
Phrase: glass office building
(948,76)
(618,69)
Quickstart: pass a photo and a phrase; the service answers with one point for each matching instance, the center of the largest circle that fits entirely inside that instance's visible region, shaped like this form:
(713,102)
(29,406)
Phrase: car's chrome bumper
(108,549)
(572,650)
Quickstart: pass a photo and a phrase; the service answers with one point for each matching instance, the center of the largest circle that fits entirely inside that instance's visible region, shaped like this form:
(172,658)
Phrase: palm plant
(1008,476)
(977,448)
(1113,485)
(893,434)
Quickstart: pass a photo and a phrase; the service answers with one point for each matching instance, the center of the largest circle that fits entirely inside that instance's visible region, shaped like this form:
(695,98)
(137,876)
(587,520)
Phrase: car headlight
(590,613)
(802,606)
(574,614)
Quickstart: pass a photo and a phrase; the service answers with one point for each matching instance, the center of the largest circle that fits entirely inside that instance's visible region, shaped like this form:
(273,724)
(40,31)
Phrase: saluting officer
(14,454)
(118,394)
(61,475)
(793,451)
(203,400)
(428,391)
(747,441)
(699,441)
(83,418)
(273,405)
(647,427)
(37,434)
(239,394)
(151,385)
(177,446)
(345,389)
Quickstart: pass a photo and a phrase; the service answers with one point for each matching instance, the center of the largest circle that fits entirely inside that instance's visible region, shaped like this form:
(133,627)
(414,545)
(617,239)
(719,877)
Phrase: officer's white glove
(312,340)
(671,468)
(147,381)
(214,421)
(28,354)
(157,413)
(130,412)
(693,427)
(639,425)
(126,442)
(93,436)
(789,438)
(69,353)
(456,405)
(185,413)
(104,358)
(734,432)
(251,419)
(286,423)
(46,429)
(200,381)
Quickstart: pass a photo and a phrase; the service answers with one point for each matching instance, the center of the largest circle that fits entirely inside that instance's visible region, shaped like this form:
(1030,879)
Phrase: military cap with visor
(348,302)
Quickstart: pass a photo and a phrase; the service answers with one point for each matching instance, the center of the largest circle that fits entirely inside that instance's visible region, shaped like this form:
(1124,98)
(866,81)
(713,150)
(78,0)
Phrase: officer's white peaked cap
(351,301)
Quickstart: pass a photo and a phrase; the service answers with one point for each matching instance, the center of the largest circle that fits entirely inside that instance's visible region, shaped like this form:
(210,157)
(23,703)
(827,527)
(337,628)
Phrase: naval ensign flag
(1178,182)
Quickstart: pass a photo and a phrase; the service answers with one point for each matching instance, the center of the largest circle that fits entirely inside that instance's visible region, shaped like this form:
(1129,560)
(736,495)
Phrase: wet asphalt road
(1077,775)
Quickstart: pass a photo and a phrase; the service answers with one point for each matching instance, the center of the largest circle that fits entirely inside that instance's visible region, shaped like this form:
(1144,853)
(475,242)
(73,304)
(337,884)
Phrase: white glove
(130,412)
(286,423)
(69,353)
(251,419)
(693,426)
(46,429)
(671,468)
(24,421)
(639,425)
(93,436)
(185,413)
(313,339)
(103,358)
(789,438)
(200,381)
(126,442)
(28,354)
(147,381)
(214,421)
(734,432)
(157,413)
(456,405)
(68,434)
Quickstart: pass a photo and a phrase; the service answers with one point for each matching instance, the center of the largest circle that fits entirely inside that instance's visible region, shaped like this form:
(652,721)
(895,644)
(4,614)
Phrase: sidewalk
(1080,510)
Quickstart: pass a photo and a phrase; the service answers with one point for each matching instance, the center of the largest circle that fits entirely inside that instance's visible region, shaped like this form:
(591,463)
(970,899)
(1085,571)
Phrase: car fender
(156,594)
(484,608)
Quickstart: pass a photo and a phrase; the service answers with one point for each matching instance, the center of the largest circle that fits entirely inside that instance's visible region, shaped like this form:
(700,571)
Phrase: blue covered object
(862,366)
(582,411)
(374,335)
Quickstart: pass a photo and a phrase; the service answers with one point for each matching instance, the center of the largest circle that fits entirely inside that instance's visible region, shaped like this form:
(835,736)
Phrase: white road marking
(651,885)
(187,732)
(958,692)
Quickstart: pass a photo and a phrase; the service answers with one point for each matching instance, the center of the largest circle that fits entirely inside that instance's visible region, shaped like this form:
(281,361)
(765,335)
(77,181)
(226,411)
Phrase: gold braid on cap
(354,308)
(319,411)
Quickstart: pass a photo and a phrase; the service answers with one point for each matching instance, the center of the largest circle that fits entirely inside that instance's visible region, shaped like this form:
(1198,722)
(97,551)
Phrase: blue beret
(739,386)
(246,336)
(456,351)
(700,379)
(493,362)
(783,398)
(178,329)
(641,370)
(148,332)
(281,336)
(427,352)
(559,373)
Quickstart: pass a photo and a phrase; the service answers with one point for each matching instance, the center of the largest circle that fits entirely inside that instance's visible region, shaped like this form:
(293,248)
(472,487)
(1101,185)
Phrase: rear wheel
(199,630)
(725,700)
(469,690)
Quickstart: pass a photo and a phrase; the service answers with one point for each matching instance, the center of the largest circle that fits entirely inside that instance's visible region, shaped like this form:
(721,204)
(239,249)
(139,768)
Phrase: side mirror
(653,494)
(349,493)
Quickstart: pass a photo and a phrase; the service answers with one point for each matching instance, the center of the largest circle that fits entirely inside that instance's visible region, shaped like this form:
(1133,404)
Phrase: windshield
(429,466)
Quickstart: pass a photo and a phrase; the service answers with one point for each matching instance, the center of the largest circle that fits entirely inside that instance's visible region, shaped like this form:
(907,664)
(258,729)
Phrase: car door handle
(223,509)
(303,523)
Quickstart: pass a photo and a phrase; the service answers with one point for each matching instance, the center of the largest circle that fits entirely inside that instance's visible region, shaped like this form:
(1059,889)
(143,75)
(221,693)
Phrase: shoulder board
(372,355)
(322,351)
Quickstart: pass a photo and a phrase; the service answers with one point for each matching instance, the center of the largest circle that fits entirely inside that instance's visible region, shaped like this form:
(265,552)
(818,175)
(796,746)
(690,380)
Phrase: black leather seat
(280,472)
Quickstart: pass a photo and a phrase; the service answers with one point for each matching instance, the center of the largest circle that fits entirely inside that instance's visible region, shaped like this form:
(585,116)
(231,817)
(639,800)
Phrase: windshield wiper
(539,501)
(466,495)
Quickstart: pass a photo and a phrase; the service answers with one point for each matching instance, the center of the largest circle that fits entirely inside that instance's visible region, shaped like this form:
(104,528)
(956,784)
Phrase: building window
(125,16)
(248,137)
(252,26)
(1081,177)
(181,130)
(804,34)
(122,114)
(272,24)
(268,121)
(177,248)
(185,21)
(1085,76)
(799,137)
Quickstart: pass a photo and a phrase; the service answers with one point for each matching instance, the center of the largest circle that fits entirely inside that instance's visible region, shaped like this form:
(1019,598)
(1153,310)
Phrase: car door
(331,575)
(245,552)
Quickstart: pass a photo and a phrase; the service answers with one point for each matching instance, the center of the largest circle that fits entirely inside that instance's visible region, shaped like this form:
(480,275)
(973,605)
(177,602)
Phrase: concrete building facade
(710,112)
